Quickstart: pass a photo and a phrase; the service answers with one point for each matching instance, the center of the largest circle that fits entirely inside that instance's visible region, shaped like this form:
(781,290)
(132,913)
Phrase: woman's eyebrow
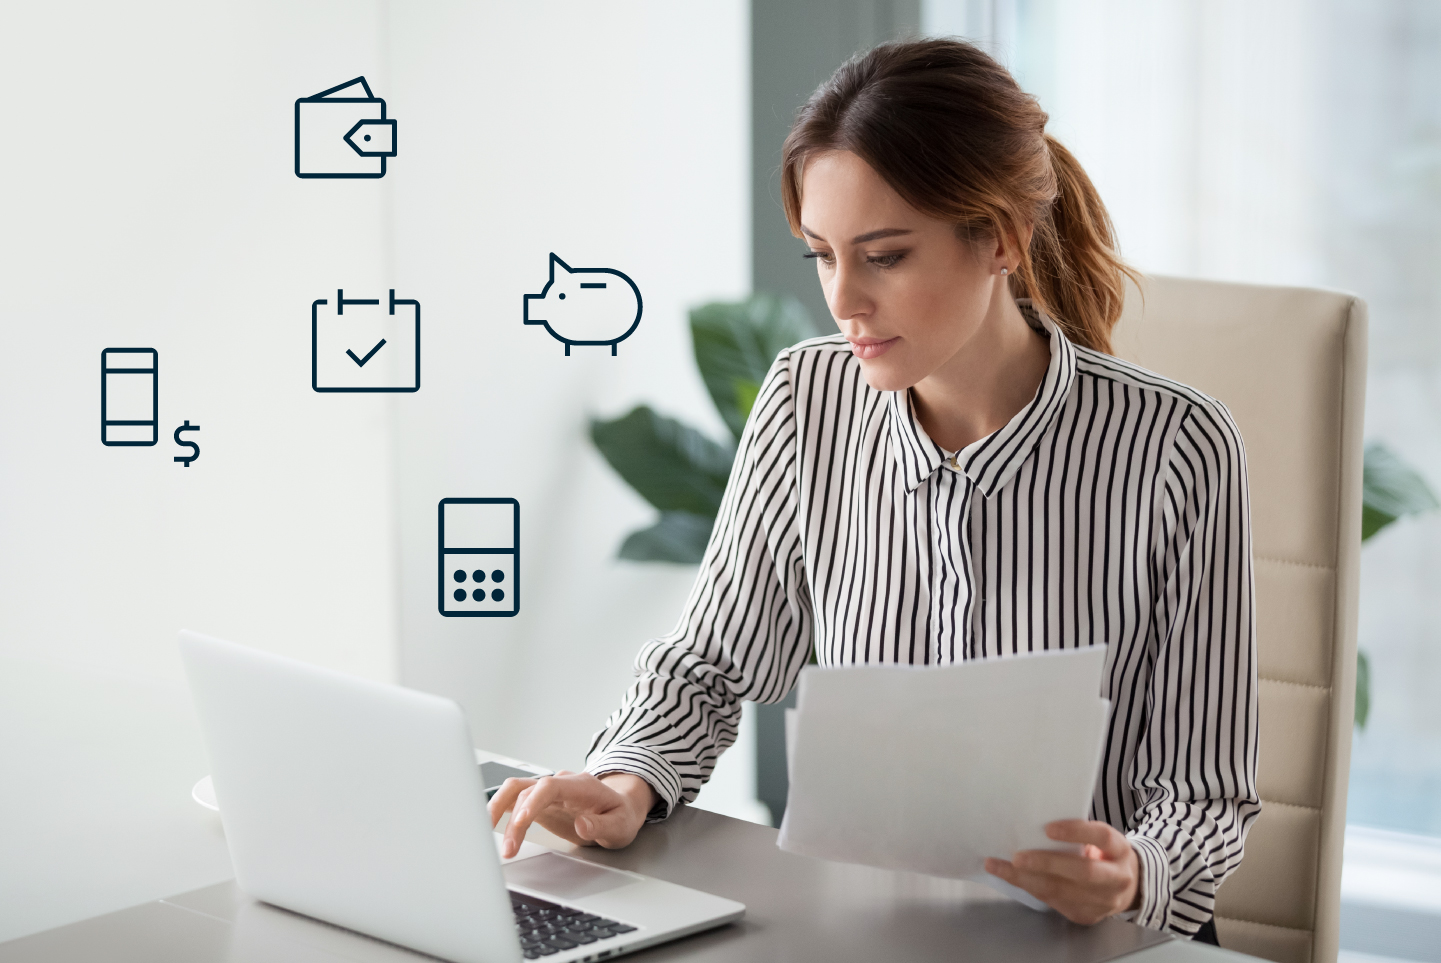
(877,235)
(863,238)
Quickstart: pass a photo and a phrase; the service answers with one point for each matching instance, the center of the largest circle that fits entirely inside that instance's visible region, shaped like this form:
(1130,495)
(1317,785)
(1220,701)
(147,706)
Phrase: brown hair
(951,132)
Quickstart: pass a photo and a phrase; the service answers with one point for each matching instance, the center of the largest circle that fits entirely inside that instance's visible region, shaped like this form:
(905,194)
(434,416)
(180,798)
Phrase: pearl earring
(1004,271)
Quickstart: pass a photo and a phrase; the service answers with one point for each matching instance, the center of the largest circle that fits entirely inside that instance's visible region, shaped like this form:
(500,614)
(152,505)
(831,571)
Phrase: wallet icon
(358,345)
(339,133)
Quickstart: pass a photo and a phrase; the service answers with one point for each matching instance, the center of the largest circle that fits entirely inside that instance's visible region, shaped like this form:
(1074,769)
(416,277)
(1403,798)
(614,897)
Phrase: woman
(965,473)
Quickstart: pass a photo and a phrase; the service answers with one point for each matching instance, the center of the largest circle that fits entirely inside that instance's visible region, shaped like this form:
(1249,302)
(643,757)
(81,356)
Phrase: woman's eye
(885,260)
(825,257)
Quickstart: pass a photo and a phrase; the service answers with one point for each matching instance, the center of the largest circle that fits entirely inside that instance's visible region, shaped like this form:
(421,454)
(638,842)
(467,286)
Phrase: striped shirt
(1112,510)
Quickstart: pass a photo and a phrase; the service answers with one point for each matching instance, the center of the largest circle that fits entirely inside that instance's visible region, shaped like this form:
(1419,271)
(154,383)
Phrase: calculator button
(479,582)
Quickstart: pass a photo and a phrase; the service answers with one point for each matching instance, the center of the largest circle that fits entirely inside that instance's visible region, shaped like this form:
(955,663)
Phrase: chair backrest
(1290,364)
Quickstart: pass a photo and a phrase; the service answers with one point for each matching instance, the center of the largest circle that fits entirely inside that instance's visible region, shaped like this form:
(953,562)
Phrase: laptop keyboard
(547,928)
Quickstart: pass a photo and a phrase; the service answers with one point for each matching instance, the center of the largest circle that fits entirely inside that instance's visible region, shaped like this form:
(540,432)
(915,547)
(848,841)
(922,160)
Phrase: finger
(533,801)
(1001,868)
(1076,902)
(505,797)
(611,829)
(1069,866)
(559,822)
(1103,836)
(1079,908)
(1043,887)
(519,803)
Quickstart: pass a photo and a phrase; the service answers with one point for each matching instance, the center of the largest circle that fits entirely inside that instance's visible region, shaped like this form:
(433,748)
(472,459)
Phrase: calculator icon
(479,543)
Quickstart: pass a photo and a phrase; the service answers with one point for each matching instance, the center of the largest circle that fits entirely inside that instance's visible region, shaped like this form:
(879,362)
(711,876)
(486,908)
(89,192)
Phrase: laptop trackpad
(563,877)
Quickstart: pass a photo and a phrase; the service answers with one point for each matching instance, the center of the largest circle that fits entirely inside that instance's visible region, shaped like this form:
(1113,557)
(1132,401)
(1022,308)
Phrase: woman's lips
(868,348)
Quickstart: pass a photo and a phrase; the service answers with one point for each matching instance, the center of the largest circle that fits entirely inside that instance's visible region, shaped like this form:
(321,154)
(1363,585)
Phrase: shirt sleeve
(745,632)
(1195,769)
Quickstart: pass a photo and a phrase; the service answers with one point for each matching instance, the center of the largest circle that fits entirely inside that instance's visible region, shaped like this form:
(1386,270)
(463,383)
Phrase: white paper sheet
(932,769)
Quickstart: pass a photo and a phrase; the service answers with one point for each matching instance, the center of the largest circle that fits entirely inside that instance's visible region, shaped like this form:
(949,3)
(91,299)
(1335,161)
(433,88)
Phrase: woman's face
(907,293)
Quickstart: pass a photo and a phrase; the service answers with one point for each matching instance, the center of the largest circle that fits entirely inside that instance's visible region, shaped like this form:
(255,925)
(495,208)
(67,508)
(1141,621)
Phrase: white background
(148,200)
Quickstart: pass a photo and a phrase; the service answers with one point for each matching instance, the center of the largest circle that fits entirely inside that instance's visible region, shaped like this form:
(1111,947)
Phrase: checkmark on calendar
(370,354)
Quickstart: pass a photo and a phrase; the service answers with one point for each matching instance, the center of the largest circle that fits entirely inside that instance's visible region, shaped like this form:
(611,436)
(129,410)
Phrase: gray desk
(798,910)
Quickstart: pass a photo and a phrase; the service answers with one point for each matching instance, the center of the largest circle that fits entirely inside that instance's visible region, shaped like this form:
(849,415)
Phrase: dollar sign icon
(187,458)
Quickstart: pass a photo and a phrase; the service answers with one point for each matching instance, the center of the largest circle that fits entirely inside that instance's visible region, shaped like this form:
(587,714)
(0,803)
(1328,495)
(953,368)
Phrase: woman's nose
(846,296)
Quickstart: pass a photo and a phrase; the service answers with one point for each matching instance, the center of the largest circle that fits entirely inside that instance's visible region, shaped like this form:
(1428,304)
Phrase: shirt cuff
(1155,882)
(647,764)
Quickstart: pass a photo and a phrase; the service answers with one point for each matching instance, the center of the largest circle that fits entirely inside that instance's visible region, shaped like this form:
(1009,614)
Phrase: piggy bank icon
(585,305)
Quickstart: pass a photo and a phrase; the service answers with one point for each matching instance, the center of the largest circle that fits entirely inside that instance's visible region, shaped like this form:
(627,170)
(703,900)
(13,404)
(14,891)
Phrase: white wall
(147,199)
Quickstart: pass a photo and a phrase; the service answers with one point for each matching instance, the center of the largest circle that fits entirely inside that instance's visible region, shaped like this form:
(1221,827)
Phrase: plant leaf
(746,394)
(677,537)
(1390,488)
(735,343)
(671,465)
(1373,520)
(1363,689)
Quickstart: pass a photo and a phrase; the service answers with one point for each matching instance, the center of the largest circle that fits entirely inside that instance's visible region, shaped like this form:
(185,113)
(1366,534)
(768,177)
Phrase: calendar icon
(479,542)
(365,344)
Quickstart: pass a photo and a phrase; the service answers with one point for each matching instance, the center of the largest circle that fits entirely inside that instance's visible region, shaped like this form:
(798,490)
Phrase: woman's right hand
(577,806)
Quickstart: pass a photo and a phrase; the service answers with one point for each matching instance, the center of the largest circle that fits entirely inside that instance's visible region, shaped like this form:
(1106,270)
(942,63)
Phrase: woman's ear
(1009,245)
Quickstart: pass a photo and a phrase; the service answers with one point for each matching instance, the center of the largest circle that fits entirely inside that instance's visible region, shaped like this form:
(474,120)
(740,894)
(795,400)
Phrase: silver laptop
(361,804)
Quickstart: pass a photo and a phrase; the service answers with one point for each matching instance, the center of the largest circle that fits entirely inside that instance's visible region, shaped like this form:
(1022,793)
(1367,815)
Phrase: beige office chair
(1290,364)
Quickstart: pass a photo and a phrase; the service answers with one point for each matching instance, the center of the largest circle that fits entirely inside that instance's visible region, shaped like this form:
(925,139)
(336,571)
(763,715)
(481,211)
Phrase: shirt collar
(988,462)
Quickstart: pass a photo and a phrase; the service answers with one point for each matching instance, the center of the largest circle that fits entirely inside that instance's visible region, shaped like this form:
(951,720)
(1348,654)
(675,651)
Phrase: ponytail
(1073,272)
(950,131)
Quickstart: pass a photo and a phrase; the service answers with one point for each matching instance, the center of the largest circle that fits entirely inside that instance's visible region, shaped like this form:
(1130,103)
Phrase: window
(1281,142)
(1294,144)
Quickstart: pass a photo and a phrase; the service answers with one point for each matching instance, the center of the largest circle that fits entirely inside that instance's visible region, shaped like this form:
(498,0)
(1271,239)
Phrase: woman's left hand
(1101,881)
